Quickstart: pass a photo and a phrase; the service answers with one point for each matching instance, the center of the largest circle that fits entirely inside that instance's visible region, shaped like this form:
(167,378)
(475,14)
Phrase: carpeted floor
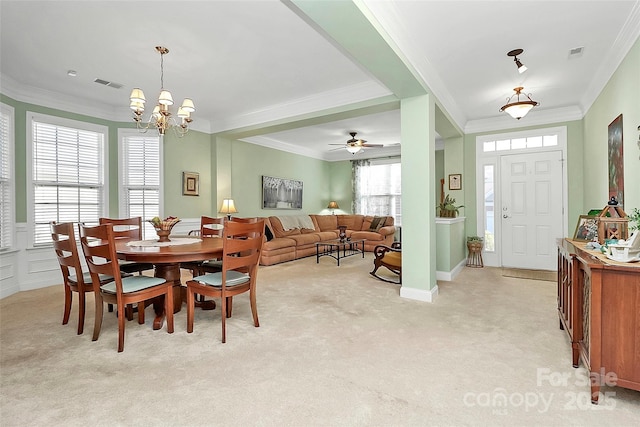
(335,347)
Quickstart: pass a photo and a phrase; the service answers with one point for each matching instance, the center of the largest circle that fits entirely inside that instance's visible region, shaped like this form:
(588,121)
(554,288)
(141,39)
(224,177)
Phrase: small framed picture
(190,184)
(587,228)
(455,181)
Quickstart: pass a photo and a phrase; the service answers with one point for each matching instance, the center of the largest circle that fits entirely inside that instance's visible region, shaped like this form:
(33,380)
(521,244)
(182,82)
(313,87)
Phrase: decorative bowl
(163,227)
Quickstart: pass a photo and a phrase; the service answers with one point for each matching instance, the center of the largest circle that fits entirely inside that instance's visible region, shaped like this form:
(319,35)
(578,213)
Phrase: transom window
(537,141)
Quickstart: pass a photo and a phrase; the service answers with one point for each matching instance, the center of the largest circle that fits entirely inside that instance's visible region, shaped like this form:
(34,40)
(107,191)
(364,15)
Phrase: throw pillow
(377,223)
(268,233)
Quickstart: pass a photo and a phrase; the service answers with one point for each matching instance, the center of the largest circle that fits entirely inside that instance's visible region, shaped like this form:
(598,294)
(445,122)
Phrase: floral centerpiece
(163,226)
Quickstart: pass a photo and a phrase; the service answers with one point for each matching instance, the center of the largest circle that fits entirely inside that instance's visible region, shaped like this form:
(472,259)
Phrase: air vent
(576,52)
(108,83)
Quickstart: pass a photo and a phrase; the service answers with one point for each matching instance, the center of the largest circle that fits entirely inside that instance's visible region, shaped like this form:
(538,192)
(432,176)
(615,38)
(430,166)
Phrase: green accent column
(418,198)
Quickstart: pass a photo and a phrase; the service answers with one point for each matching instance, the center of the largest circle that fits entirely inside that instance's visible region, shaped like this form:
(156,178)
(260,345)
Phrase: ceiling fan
(355,146)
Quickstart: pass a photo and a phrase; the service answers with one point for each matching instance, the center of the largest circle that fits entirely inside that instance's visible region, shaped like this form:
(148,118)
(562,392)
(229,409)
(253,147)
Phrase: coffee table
(337,249)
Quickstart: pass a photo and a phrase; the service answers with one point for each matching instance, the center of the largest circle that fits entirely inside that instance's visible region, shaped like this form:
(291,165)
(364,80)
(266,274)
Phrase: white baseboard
(425,295)
(450,275)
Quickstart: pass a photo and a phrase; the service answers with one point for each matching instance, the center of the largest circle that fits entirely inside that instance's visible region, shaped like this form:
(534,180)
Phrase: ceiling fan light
(354,149)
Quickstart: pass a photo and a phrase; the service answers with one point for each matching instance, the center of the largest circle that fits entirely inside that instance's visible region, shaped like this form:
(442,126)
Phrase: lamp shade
(333,205)
(518,109)
(354,149)
(137,95)
(228,207)
(165,98)
(187,105)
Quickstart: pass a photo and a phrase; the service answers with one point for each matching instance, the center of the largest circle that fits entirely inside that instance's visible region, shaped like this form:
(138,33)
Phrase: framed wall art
(586,229)
(455,181)
(190,184)
(616,160)
(281,193)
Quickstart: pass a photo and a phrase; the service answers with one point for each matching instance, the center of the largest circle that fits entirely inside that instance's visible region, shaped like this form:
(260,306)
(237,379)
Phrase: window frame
(9,223)
(73,124)
(397,197)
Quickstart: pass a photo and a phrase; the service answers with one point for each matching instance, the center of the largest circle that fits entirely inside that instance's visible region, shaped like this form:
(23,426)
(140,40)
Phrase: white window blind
(140,177)
(377,188)
(7,204)
(67,176)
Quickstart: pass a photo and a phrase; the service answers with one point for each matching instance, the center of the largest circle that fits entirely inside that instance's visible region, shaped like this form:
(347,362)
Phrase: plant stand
(475,255)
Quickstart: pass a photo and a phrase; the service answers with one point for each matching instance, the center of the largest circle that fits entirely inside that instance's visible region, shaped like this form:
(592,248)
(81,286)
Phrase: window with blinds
(139,157)
(7,204)
(67,173)
(377,188)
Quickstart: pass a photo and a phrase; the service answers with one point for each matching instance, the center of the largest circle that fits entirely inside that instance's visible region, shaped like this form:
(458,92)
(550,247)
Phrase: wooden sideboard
(599,308)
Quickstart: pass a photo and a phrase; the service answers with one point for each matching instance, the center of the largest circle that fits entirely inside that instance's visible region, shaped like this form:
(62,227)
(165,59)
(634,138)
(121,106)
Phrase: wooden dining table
(166,260)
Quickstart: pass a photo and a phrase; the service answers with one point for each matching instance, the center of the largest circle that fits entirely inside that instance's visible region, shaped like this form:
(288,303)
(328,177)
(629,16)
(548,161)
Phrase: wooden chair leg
(223,317)
(81,311)
(97,325)
(254,307)
(141,307)
(190,309)
(168,307)
(68,298)
(229,306)
(121,322)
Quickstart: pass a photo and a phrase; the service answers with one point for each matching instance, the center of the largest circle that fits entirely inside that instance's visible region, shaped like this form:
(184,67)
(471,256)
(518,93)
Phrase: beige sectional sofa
(289,243)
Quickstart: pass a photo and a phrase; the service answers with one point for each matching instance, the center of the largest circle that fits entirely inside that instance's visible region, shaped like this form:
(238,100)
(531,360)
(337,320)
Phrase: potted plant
(475,243)
(448,208)
(634,220)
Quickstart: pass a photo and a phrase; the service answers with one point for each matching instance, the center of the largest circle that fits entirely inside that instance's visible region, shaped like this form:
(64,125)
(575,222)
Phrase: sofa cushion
(367,235)
(305,239)
(377,223)
(278,231)
(346,220)
(327,222)
(278,243)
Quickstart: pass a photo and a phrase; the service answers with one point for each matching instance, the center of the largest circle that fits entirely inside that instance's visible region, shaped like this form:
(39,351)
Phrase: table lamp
(228,207)
(333,205)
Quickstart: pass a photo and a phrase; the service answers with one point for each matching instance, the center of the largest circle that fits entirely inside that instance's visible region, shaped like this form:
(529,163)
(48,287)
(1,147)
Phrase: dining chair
(242,245)
(209,227)
(99,247)
(73,276)
(131,229)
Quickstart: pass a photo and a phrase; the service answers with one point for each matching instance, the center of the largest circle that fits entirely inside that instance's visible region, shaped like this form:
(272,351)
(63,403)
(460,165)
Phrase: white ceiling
(249,64)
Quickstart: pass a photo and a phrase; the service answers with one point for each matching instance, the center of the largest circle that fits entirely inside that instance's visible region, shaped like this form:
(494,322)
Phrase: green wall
(215,159)
(621,95)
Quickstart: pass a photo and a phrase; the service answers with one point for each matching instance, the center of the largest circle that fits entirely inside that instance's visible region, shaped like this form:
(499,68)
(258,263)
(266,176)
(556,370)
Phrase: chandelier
(518,109)
(161,117)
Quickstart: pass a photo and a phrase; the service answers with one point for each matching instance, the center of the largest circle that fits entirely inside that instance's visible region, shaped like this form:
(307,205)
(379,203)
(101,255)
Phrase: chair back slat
(66,249)
(211,227)
(125,228)
(242,246)
(98,246)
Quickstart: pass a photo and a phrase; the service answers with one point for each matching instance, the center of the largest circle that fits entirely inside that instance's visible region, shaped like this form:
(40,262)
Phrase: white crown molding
(71,104)
(283,146)
(624,42)
(534,118)
(385,12)
(360,92)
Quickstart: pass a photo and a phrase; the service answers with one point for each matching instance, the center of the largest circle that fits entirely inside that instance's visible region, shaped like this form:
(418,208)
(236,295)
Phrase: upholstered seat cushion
(215,279)
(86,277)
(393,259)
(133,284)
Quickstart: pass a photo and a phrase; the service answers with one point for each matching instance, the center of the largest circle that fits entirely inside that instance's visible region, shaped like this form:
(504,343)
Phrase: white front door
(531,209)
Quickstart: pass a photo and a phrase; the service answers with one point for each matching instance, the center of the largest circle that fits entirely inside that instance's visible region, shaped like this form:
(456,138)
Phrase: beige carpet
(546,275)
(336,347)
